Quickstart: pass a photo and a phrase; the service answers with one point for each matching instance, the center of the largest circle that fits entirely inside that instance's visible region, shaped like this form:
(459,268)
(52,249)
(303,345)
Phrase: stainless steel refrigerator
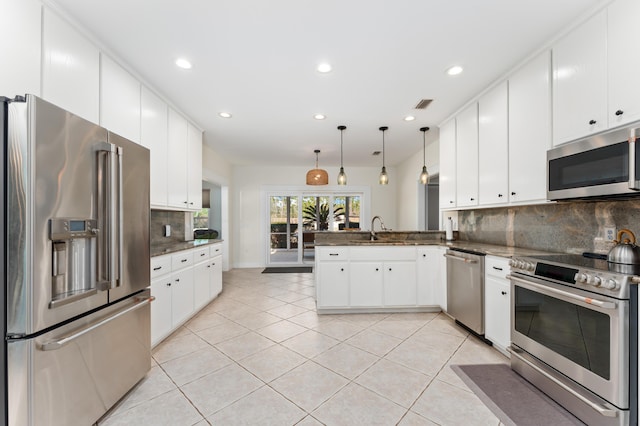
(75,228)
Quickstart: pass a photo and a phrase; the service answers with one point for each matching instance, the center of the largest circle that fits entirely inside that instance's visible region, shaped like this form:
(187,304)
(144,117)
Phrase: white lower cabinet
(215,276)
(365,284)
(332,284)
(431,287)
(497,302)
(400,283)
(161,322)
(388,277)
(182,284)
(182,287)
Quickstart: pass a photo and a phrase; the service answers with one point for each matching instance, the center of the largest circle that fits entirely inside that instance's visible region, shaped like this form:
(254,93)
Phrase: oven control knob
(612,284)
(595,281)
(512,262)
(581,278)
(520,264)
(529,266)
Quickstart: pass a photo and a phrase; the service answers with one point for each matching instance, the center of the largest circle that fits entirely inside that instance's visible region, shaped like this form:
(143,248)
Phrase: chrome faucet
(382,227)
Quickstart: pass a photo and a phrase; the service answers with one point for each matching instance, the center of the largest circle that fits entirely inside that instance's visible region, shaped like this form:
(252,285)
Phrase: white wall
(408,173)
(247,203)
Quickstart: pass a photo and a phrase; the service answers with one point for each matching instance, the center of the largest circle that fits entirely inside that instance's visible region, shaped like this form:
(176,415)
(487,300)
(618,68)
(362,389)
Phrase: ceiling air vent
(376,152)
(423,103)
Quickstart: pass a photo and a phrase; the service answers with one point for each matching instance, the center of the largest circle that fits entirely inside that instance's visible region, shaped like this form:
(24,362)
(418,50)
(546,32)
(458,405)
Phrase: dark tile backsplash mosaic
(569,227)
(159,218)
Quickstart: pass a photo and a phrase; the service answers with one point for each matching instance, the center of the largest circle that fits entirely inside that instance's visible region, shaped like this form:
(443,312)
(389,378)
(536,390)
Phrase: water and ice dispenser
(74,259)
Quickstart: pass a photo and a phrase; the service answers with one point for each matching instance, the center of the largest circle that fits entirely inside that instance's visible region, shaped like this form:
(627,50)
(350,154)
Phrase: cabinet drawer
(181,260)
(383,253)
(496,266)
(200,254)
(333,253)
(160,265)
(215,250)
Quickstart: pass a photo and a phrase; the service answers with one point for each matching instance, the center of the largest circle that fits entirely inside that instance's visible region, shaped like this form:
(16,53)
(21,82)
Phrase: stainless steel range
(570,333)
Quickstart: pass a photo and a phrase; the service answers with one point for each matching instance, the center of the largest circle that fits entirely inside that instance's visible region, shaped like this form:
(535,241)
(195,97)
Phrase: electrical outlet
(167,230)
(609,234)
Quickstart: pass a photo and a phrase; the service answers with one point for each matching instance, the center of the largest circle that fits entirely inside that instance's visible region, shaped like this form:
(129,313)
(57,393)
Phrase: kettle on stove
(625,251)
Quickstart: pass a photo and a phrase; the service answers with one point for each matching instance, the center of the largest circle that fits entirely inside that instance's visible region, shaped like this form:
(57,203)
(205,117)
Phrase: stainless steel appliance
(603,166)
(76,232)
(570,334)
(465,288)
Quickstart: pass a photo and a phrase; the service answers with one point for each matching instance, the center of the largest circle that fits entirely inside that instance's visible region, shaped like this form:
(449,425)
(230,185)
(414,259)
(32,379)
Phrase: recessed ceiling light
(319,116)
(224,114)
(454,70)
(183,63)
(409,118)
(324,68)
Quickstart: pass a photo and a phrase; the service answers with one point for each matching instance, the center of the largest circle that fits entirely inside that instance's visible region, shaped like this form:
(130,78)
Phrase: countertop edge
(161,250)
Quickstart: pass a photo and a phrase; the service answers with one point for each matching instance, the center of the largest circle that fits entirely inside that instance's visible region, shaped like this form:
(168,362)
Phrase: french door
(295,218)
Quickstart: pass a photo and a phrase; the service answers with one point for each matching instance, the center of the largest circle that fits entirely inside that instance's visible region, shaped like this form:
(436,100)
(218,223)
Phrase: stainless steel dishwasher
(465,288)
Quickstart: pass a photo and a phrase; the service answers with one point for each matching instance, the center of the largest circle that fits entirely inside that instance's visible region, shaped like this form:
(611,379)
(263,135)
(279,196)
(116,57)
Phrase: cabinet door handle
(450,201)
(177,280)
(183,260)
(341,269)
(208,266)
(497,269)
(619,112)
(157,268)
(377,269)
(504,293)
(499,195)
(592,122)
(424,255)
(202,254)
(513,193)
(168,284)
(472,199)
(333,254)
(389,269)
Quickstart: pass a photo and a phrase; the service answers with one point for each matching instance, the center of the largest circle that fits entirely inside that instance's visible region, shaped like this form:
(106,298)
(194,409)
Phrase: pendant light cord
(341,131)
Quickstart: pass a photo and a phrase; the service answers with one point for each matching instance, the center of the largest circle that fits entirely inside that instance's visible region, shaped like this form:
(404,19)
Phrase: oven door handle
(595,302)
(604,411)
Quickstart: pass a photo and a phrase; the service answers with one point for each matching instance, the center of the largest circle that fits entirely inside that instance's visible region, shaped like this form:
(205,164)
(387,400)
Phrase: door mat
(289,270)
(511,398)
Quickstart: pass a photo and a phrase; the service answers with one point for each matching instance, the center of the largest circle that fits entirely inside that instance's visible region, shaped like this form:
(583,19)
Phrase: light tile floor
(260,355)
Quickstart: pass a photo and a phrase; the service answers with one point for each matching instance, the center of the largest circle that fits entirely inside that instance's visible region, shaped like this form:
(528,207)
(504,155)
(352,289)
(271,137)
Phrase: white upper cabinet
(153,135)
(70,68)
(194,167)
(467,157)
(448,165)
(493,149)
(177,161)
(184,171)
(623,62)
(529,130)
(119,100)
(580,81)
(20,47)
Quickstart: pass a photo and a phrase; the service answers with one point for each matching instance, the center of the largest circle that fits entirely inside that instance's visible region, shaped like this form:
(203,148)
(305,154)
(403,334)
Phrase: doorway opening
(429,204)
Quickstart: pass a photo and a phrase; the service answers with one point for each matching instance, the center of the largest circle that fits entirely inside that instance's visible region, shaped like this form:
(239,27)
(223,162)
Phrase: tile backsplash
(570,227)
(159,218)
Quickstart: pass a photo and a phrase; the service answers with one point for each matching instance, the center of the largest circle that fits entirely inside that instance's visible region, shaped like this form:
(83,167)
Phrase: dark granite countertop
(419,239)
(160,249)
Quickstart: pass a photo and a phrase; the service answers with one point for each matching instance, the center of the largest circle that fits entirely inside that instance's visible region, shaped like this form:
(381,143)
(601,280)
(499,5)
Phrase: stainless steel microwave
(606,165)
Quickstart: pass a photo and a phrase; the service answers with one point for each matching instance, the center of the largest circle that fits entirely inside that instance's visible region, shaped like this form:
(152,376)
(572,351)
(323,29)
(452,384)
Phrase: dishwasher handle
(460,259)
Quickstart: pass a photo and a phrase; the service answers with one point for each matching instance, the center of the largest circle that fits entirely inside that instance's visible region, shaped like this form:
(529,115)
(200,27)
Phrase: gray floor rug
(511,398)
(289,270)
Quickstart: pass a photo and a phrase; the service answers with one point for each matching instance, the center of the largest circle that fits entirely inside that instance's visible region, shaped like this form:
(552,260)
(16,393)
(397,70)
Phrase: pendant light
(317,176)
(342,176)
(384,178)
(424,176)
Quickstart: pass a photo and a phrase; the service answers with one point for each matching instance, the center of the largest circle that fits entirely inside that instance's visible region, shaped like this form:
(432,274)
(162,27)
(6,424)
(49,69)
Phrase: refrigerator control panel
(69,229)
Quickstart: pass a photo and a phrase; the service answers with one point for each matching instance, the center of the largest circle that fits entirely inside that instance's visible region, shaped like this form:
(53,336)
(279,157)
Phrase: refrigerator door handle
(110,215)
(61,342)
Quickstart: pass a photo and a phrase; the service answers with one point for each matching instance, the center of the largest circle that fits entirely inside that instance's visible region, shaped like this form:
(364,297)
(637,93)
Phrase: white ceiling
(256,59)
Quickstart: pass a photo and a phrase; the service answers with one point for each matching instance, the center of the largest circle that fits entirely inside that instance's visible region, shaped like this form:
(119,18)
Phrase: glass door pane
(283,229)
